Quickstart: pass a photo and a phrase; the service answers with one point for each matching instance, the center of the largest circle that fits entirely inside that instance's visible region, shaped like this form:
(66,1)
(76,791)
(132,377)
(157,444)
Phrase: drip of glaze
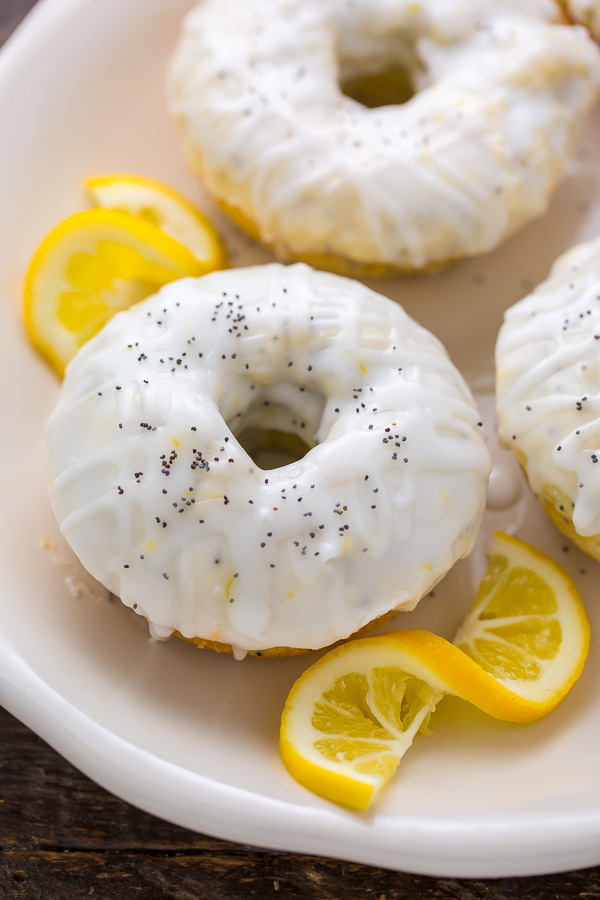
(504,488)
(158,633)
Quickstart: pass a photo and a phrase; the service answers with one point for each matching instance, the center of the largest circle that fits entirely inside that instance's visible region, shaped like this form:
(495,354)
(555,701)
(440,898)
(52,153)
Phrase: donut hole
(280,425)
(270,448)
(388,86)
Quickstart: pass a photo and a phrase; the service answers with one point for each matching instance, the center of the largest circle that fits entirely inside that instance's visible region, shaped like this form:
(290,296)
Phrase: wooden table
(63,837)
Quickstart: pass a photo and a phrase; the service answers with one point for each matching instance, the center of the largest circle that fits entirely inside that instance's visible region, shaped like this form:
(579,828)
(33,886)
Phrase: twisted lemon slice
(164,207)
(349,719)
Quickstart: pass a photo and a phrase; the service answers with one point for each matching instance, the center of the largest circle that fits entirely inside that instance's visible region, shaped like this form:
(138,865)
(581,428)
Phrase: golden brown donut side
(272,652)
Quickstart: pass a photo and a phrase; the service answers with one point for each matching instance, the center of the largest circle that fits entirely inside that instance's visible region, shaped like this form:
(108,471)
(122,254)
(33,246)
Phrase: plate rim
(569,840)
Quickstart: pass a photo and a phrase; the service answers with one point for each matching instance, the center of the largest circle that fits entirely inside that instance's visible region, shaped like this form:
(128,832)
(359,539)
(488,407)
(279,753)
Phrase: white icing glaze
(504,488)
(548,383)
(587,12)
(147,477)
(475,153)
(158,633)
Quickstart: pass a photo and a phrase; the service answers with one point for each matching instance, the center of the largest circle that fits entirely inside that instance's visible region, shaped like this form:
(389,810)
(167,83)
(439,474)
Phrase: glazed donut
(548,392)
(586,12)
(155,493)
(500,89)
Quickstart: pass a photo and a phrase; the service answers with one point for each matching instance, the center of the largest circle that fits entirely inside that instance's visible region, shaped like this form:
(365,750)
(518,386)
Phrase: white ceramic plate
(189,735)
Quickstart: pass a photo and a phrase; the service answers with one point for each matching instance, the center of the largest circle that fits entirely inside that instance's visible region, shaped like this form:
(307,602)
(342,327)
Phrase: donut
(548,392)
(586,12)
(154,490)
(256,88)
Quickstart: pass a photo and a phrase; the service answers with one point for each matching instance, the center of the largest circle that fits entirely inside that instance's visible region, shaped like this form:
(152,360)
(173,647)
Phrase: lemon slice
(350,717)
(164,207)
(89,267)
(528,627)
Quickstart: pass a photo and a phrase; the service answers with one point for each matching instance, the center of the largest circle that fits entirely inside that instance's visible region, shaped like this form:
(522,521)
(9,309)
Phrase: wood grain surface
(62,837)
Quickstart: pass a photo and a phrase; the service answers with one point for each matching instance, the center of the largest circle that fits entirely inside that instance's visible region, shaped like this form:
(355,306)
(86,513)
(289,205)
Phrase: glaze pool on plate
(191,736)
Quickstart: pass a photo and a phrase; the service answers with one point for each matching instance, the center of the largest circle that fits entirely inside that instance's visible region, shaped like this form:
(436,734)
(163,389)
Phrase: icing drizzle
(548,383)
